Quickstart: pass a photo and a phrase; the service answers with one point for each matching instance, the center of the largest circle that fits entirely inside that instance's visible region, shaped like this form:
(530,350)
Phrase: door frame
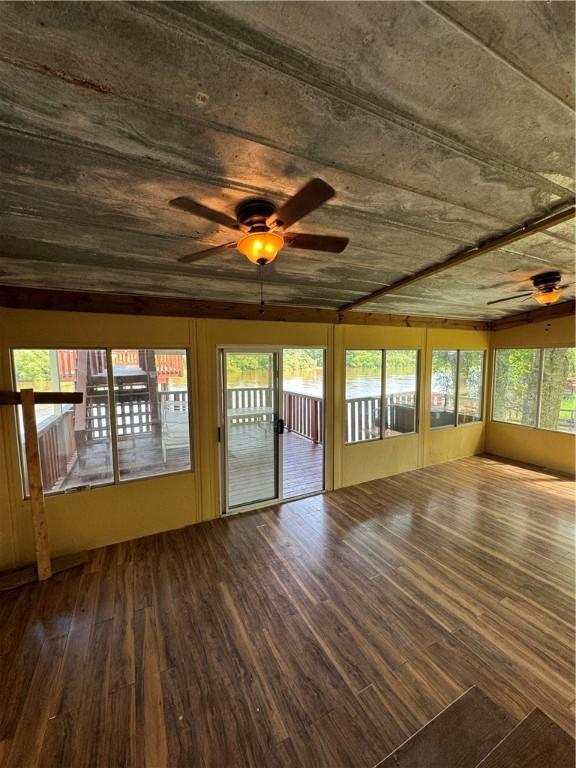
(222,437)
(225,510)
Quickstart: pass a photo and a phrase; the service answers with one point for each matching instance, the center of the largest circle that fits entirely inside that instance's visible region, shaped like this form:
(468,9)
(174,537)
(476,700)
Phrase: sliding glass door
(271,425)
(250,424)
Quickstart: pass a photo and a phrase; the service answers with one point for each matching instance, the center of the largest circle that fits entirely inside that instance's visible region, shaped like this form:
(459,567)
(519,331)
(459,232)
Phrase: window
(381,394)
(151,407)
(74,440)
(558,390)
(147,433)
(470,381)
(516,378)
(457,387)
(400,391)
(363,395)
(443,402)
(536,388)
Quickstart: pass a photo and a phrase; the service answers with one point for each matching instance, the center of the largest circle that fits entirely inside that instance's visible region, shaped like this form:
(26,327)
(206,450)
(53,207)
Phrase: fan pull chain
(261,277)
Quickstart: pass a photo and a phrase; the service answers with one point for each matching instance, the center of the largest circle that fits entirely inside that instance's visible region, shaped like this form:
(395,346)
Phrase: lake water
(361,382)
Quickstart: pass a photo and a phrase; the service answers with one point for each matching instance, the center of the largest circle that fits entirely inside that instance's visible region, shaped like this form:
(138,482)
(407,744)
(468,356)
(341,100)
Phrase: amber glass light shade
(261,247)
(549,297)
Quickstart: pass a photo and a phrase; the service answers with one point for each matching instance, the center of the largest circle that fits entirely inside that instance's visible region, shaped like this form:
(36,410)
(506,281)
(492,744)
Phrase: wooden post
(314,425)
(35,486)
(27,398)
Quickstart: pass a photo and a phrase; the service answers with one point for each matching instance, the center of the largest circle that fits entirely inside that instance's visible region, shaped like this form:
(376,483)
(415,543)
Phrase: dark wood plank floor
(321,633)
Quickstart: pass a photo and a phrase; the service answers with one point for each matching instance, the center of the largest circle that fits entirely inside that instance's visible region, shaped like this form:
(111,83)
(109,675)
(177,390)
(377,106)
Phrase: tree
(554,384)
(32,364)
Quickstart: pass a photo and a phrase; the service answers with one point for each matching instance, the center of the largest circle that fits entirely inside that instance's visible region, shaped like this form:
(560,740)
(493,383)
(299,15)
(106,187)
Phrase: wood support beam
(540,315)
(123,304)
(526,230)
(28,399)
(42,398)
(109,303)
(35,486)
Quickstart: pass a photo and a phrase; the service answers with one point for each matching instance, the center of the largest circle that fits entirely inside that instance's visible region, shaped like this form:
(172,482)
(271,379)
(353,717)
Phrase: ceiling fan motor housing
(254,212)
(547,281)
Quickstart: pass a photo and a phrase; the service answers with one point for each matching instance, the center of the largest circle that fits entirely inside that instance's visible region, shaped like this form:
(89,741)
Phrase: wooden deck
(318,633)
(251,464)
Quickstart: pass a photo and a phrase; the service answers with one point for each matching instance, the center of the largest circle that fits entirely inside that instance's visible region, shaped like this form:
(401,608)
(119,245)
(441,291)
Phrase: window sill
(98,486)
(382,439)
(536,429)
(457,426)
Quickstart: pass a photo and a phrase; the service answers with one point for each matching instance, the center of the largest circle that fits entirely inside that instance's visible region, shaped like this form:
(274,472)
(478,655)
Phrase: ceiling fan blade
(197,209)
(206,252)
(326,243)
(312,195)
(509,298)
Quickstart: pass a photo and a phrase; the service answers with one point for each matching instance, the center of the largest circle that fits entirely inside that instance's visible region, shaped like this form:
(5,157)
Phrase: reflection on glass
(443,394)
(303,409)
(74,440)
(558,393)
(363,395)
(470,385)
(401,391)
(151,407)
(516,381)
(251,443)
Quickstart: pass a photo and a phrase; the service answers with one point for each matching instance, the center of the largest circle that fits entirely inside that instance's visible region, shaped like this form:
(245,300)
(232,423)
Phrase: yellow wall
(552,450)
(91,518)
(368,461)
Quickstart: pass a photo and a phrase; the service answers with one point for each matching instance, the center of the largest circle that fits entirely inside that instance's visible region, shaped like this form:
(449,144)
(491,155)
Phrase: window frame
(456,425)
(115,481)
(383,351)
(541,351)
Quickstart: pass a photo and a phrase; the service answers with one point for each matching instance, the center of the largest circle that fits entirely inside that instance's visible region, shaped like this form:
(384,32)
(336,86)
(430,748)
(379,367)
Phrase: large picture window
(146,432)
(535,388)
(381,393)
(75,440)
(151,408)
(457,387)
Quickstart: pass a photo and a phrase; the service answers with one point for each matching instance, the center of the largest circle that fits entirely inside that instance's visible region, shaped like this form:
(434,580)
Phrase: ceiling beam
(540,315)
(526,230)
(112,303)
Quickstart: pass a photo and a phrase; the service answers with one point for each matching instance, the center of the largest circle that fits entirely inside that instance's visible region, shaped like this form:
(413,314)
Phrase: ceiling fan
(263,225)
(547,289)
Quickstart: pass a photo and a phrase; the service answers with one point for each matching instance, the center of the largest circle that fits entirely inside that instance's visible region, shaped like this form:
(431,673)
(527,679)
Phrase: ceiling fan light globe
(261,247)
(548,297)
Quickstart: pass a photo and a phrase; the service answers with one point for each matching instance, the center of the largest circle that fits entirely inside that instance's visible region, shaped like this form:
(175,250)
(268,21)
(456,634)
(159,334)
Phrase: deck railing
(57,446)
(304,415)
(362,418)
(59,439)
(364,415)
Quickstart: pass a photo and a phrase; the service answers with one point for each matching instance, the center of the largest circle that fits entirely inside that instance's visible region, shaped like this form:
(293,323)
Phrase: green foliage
(32,364)
(444,364)
(371,359)
(364,358)
(517,380)
(296,360)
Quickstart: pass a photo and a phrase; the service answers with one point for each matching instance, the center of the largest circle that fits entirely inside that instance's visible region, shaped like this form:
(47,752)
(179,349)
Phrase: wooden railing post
(314,425)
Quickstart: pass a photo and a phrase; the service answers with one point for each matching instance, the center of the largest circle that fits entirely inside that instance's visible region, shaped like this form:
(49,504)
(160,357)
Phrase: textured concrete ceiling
(439,124)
